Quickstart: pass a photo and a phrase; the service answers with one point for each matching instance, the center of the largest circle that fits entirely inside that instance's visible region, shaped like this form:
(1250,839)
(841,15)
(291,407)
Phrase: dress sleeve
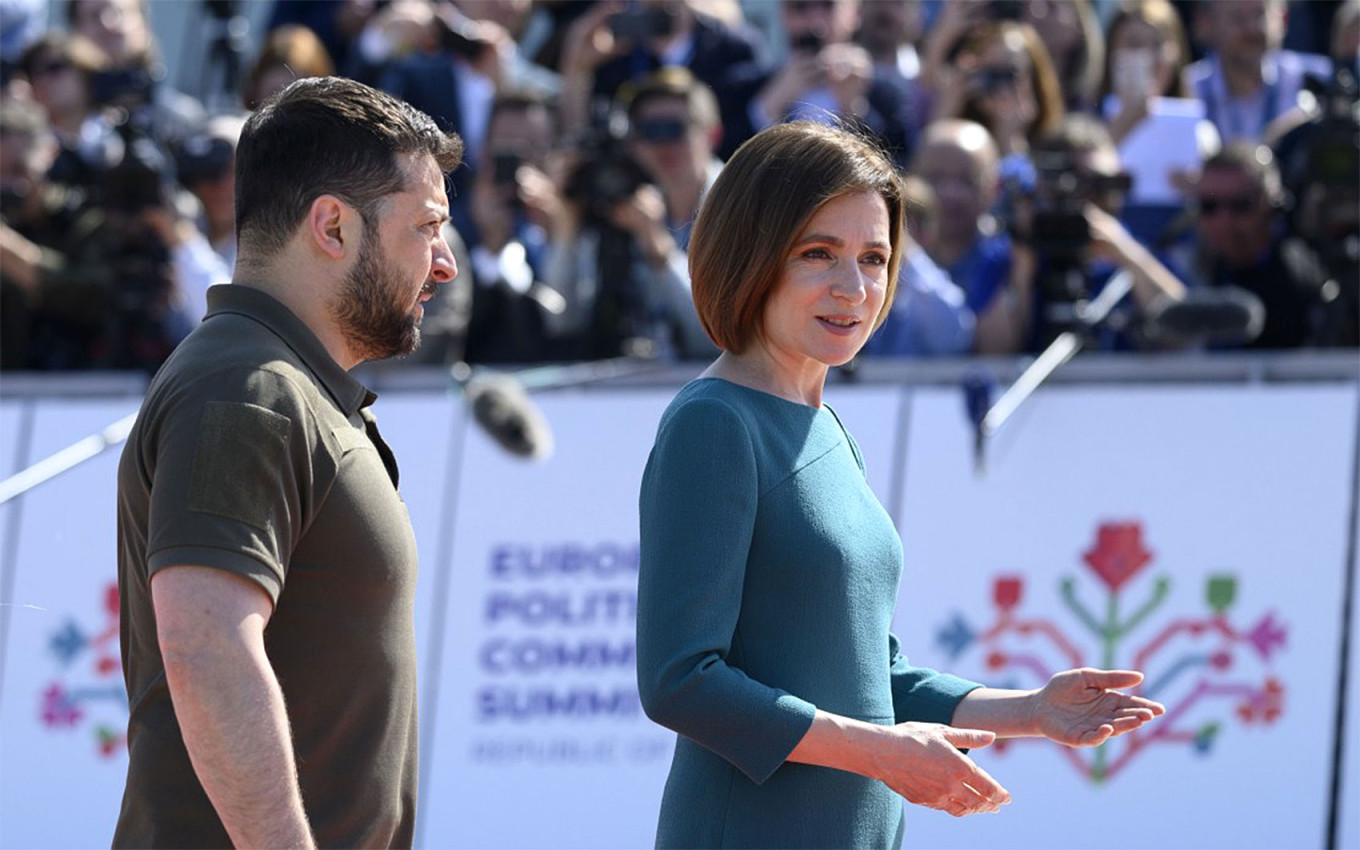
(698,509)
(922,694)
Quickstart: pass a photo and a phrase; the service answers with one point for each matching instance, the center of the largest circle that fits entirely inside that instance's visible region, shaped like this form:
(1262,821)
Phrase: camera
(128,88)
(504,166)
(639,23)
(1320,167)
(605,176)
(1056,227)
(991,80)
(201,158)
(1007,10)
(807,42)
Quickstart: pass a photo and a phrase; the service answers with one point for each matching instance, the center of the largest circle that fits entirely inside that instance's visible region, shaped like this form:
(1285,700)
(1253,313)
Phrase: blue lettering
(605,560)
(532,655)
(494,703)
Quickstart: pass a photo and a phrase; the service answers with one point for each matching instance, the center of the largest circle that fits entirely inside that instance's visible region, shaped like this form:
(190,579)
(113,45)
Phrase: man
(1247,81)
(83,285)
(133,75)
(266,562)
(959,161)
(624,268)
(518,211)
(1243,242)
(606,49)
(929,315)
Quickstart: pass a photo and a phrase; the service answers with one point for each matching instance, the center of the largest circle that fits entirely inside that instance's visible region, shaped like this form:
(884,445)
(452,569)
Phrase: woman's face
(833,285)
(58,86)
(1140,39)
(1004,82)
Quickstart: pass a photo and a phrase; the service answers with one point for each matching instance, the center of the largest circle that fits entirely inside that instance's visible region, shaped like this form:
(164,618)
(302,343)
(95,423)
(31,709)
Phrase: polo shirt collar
(256,304)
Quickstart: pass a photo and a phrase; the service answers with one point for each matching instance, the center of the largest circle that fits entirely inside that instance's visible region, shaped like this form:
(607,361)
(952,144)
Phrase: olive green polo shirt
(255,453)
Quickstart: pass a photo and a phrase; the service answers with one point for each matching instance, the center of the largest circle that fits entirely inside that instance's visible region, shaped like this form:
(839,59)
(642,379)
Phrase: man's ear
(332,226)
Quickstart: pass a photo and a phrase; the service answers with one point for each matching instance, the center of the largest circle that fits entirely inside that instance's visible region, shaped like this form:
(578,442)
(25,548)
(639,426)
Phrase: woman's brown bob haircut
(757,207)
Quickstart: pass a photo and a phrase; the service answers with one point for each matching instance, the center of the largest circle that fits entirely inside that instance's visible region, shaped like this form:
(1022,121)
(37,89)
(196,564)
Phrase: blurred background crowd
(1190,146)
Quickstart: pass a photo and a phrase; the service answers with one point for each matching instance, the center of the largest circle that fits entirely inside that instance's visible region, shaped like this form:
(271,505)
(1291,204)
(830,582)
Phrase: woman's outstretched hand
(1085,708)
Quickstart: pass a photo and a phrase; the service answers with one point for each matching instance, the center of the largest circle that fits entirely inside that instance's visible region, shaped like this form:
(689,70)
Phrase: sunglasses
(660,130)
(1239,205)
(51,66)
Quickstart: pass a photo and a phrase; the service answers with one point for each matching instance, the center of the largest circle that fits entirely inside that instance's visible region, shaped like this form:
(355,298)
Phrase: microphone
(506,413)
(501,405)
(1226,314)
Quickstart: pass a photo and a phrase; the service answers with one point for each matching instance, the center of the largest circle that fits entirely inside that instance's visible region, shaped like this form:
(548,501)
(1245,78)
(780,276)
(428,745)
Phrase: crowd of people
(1051,146)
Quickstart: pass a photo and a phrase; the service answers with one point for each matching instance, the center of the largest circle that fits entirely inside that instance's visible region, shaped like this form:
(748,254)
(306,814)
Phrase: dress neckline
(761,392)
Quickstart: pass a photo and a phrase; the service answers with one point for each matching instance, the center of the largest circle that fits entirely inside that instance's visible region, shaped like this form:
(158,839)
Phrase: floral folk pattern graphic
(89,659)
(1191,663)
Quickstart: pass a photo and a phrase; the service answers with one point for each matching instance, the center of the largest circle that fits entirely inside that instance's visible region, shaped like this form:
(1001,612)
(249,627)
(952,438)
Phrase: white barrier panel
(1199,534)
(63,715)
(539,740)
(1239,497)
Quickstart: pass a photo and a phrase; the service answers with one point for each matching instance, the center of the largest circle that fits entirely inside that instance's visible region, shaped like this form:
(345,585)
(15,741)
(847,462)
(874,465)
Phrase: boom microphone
(1226,314)
(504,410)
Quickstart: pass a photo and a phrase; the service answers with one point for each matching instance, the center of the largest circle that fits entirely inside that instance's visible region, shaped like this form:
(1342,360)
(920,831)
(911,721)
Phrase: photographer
(623,268)
(1069,232)
(828,75)
(518,212)
(61,70)
(133,78)
(614,44)
(1244,240)
(90,286)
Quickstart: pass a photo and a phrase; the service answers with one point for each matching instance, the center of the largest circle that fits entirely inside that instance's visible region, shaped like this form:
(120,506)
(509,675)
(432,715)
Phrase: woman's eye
(816,254)
(875,260)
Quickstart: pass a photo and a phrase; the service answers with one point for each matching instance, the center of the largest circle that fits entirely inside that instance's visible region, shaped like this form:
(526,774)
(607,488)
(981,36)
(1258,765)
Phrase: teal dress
(767,585)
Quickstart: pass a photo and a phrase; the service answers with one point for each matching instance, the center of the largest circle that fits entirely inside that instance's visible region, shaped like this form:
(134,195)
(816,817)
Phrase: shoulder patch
(240,462)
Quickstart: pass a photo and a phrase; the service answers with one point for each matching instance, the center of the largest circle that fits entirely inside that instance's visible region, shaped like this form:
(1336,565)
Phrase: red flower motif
(1118,553)
(1006,591)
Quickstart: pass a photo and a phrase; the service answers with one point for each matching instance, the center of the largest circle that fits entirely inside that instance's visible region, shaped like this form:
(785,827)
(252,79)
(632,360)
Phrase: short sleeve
(232,468)
(698,504)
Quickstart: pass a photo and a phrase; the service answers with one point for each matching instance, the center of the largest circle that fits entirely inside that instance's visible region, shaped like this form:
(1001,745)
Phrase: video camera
(1320,169)
(1047,210)
(605,176)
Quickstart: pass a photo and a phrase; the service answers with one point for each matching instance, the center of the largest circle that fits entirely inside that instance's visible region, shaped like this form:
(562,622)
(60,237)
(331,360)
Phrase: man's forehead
(1227,177)
(424,182)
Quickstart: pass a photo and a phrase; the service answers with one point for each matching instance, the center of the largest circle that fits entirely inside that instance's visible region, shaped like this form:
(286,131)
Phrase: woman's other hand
(920,761)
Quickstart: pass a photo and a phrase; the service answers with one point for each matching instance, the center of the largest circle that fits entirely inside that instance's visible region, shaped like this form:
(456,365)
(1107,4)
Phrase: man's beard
(373,317)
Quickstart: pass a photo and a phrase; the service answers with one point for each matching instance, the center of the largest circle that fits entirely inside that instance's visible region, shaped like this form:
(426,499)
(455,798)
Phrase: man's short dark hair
(701,106)
(522,100)
(326,136)
(1257,162)
(1077,134)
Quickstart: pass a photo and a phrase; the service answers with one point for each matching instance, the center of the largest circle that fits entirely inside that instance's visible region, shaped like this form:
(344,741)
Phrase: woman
(1070,30)
(290,53)
(769,571)
(1000,75)
(1147,56)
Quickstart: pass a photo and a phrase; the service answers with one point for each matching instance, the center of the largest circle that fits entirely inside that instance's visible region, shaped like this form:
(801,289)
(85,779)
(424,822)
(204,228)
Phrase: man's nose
(444,268)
